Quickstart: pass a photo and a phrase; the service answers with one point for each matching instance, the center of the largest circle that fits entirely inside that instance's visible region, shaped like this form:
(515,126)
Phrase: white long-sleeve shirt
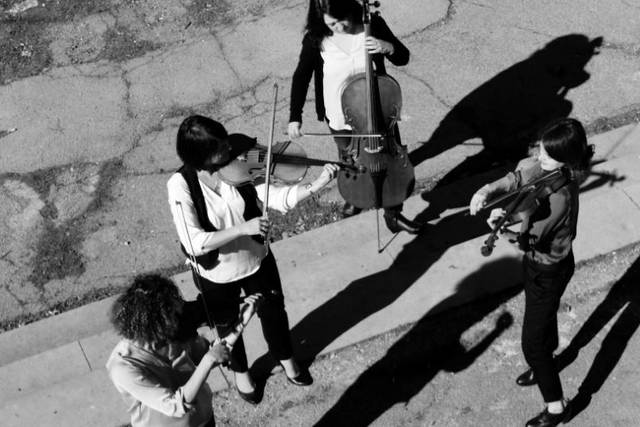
(152,385)
(225,207)
(343,56)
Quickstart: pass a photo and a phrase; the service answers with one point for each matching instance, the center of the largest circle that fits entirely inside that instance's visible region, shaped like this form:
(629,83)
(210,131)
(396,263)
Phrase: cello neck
(372,92)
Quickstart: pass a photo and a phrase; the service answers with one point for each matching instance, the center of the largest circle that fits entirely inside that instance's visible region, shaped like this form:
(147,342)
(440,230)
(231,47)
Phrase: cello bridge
(373,150)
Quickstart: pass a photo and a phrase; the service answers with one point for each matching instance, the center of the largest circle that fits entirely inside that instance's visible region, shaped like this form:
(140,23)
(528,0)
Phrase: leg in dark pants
(222,301)
(544,286)
(272,313)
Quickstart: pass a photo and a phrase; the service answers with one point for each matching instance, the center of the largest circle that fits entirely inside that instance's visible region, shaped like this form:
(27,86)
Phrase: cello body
(371,104)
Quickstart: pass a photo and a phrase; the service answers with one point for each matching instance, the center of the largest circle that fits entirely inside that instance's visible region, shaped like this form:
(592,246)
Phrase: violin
(371,105)
(525,201)
(249,162)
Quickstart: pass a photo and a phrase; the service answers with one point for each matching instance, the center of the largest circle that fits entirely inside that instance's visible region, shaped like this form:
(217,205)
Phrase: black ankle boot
(396,223)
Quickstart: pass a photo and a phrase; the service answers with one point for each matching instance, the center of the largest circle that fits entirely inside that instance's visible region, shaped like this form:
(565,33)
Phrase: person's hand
(294,130)
(374,45)
(219,353)
(329,172)
(259,225)
(478,201)
(249,307)
(496,215)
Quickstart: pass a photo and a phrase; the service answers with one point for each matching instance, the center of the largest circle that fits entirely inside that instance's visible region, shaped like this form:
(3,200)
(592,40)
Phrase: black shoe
(526,378)
(251,397)
(349,210)
(303,378)
(397,223)
(547,419)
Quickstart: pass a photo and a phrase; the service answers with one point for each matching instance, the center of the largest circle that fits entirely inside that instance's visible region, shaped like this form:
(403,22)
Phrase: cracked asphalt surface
(97,89)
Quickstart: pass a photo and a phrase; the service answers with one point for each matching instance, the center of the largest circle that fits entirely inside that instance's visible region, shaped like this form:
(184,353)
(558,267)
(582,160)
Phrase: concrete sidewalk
(339,291)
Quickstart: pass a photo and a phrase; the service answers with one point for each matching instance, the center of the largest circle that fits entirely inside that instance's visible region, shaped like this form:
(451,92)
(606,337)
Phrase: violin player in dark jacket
(546,235)
(220,241)
(333,49)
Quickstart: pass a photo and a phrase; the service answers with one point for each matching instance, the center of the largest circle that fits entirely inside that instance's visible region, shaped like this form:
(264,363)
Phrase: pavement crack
(86,359)
(536,32)
(630,49)
(475,3)
(430,88)
(446,19)
(635,203)
(127,95)
(225,58)
(21,302)
(9,261)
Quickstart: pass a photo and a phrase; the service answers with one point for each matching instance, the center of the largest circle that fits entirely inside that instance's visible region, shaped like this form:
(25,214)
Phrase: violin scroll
(489,244)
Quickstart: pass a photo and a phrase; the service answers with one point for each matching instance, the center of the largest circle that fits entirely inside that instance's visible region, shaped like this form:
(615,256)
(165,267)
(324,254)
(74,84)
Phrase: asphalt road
(458,368)
(96,91)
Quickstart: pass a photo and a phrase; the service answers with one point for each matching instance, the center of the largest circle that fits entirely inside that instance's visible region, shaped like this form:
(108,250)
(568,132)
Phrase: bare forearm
(199,376)
(310,189)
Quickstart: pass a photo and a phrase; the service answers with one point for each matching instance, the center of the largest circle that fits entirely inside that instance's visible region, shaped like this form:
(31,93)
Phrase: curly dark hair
(149,310)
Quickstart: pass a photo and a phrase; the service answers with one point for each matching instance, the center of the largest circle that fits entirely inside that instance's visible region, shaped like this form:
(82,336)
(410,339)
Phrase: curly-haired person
(158,367)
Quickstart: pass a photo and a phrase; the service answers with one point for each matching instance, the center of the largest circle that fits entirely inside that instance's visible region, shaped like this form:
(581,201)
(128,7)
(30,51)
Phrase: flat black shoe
(397,223)
(251,397)
(349,210)
(304,378)
(526,378)
(547,419)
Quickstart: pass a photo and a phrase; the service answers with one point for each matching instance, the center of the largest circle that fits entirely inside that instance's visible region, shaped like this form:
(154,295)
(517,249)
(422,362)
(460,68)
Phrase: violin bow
(196,269)
(267,178)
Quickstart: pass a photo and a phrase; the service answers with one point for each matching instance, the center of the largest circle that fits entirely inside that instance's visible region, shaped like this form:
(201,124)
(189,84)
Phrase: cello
(371,104)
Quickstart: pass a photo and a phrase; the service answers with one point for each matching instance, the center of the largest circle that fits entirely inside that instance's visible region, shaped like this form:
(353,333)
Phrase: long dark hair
(349,10)
(565,140)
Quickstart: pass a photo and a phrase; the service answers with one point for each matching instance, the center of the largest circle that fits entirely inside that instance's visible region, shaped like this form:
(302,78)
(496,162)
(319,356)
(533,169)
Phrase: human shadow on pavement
(508,110)
(625,296)
(432,345)
(367,295)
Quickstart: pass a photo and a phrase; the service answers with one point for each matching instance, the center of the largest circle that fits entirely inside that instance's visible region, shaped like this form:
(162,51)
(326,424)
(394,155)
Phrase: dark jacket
(311,63)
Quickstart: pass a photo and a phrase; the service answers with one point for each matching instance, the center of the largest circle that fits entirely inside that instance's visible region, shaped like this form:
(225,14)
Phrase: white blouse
(343,56)
(225,207)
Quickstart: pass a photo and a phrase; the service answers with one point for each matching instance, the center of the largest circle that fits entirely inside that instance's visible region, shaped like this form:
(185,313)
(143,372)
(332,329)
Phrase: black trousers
(543,286)
(223,303)
(343,143)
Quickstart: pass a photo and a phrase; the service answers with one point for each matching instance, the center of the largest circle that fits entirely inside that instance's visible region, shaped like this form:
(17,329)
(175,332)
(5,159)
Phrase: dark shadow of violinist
(625,296)
(368,295)
(507,111)
(432,345)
